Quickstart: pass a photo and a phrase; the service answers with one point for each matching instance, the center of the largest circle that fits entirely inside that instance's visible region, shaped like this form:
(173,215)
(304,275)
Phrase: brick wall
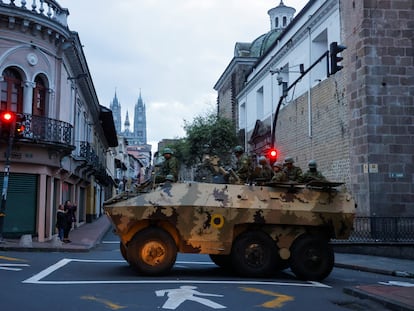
(328,143)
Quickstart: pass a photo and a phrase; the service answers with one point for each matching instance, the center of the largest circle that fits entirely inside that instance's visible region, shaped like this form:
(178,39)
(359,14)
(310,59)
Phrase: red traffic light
(7,116)
(272,154)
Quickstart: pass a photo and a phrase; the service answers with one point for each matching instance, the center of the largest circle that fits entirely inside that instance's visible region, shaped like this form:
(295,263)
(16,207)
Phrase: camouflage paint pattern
(205,218)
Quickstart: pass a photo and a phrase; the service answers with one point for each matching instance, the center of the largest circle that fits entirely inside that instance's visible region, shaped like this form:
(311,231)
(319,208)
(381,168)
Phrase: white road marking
(177,296)
(38,278)
(6,266)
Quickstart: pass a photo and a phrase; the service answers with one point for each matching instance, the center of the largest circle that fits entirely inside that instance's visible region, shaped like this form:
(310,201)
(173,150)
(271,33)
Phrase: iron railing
(42,129)
(382,229)
(92,160)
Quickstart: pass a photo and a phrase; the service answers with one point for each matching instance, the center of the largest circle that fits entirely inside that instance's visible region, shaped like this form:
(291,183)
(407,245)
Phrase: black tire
(254,254)
(312,258)
(123,250)
(223,261)
(152,251)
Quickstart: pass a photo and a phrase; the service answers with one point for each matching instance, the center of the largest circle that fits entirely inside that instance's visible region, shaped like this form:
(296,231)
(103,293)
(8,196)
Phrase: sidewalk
(394,295)
(83,238)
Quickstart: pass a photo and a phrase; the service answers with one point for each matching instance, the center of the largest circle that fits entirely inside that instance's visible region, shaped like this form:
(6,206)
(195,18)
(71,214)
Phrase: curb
(375,270)
(388,303)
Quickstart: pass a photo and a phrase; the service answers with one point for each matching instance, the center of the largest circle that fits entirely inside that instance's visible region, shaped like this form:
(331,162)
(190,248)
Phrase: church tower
(127,131)
(115,106)
(281,16)
(140,122)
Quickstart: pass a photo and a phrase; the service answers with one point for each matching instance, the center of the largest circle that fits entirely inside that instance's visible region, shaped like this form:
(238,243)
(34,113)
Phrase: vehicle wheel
(152,251)
(312,258)
(223,261)
(123,250)
(254,254)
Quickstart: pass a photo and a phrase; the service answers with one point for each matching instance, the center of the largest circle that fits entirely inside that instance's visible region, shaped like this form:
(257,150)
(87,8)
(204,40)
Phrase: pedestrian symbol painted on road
(178,295)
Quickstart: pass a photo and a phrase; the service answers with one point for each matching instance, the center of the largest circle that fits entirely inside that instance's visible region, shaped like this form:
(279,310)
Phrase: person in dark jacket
(61,221)
(70,210)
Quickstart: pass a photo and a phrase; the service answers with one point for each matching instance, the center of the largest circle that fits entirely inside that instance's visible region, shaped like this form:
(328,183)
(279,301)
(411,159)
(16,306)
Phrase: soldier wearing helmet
(294,173)
(169,167)
(242,166)
(278,173)
(263,171)
(312,173)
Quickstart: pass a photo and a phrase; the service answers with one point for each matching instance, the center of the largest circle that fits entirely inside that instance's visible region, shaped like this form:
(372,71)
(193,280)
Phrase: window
(11,91)
(284,21)
(277,22)
(259,103)
(39,97)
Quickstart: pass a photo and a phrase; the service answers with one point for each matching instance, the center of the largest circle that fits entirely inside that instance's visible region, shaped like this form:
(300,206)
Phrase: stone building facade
(379,36)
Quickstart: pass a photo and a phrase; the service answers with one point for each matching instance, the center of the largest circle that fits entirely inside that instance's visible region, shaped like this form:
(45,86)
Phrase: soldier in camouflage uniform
(243,165)
(294,173)
(168,167)
(312,173)
(278,173)
(263,172)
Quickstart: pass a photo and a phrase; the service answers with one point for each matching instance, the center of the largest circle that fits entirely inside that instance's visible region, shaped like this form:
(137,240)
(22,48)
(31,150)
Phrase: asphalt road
(102,280)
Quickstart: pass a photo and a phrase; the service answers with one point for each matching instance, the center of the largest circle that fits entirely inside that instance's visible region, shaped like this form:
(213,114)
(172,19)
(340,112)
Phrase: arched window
(284,21)
(277,22)
(11,91)
(39,97)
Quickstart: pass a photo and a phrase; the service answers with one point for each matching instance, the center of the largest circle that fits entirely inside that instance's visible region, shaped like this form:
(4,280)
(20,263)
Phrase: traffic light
(272,155)
(334,50)
(19,125)
(7,119)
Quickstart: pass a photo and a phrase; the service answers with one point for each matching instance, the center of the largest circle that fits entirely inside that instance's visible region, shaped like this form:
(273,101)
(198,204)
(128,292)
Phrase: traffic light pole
(285,92)
(5,185)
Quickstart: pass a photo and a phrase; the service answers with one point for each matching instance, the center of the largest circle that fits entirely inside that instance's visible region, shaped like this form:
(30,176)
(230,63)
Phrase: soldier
(278,173)
(263,172)
(294,173)
(312,173)
(168,167)
(243,164)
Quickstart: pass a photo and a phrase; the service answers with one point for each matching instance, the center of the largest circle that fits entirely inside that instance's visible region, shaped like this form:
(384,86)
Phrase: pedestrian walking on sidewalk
(61,221)
(70,209)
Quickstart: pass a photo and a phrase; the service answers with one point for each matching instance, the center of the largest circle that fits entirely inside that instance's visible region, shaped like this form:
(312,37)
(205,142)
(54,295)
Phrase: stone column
(28,96)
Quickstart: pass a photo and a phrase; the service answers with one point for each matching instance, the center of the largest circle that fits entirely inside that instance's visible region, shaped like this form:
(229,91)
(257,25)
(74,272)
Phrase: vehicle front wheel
(152,251)
(123,250)
(254,254)
(312,258)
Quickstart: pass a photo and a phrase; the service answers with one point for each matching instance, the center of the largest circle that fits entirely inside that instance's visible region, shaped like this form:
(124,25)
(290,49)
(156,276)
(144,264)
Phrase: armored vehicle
(254,230)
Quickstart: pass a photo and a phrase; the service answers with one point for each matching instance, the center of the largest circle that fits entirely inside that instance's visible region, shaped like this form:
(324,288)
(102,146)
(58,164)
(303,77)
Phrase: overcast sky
(173,51)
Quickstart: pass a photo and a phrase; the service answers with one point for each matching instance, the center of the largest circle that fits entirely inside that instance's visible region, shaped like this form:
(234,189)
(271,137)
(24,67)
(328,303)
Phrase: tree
(206,134)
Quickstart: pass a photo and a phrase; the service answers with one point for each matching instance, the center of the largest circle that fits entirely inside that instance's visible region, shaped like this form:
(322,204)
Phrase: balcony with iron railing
(93,162)
(51,132)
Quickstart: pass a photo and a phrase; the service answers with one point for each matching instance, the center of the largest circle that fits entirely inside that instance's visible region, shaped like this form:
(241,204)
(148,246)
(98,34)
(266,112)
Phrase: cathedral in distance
(137,137)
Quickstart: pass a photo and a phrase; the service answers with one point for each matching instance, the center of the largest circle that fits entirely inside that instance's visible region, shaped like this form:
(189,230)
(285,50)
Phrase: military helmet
(312,164)
(289,160)
(238,149)
(262,160)
(278,164)
(169,177)
(167,150)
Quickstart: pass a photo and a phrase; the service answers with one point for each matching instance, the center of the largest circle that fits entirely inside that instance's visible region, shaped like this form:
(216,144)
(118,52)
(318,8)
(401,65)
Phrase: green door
(20,204)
